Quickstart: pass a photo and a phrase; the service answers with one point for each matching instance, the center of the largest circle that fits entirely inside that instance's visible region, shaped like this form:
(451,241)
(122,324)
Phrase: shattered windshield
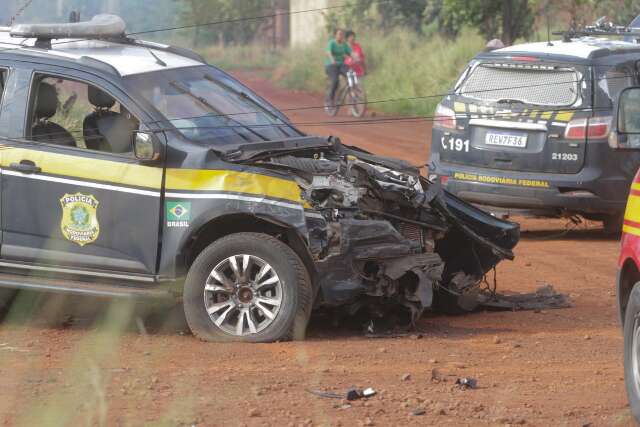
(206,105)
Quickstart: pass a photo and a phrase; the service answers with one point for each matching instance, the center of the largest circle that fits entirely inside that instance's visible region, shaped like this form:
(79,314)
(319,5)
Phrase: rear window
(491,83)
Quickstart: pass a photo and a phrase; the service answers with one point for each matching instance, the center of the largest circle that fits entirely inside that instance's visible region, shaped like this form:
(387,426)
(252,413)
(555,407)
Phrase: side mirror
(626,130)
(145,146)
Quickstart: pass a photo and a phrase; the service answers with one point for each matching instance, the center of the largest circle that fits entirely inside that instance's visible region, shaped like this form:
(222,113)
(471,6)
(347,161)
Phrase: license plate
(505,139)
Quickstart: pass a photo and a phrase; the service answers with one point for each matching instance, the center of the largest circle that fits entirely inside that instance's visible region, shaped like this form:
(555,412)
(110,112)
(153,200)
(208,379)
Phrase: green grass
(401,65)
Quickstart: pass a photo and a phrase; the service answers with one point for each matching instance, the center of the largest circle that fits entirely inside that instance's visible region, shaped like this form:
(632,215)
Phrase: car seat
(44,130)
(107,130)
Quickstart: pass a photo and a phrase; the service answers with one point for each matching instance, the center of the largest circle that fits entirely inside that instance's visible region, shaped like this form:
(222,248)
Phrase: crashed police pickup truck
(133,169)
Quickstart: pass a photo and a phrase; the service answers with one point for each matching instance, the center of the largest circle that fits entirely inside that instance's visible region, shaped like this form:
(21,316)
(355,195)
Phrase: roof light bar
(99,27)
(519,66)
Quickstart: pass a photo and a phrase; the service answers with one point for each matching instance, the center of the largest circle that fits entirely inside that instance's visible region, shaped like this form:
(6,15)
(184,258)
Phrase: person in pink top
(357,59)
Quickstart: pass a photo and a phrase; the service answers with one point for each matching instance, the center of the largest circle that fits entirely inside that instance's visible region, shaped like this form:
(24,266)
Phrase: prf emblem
(79,222)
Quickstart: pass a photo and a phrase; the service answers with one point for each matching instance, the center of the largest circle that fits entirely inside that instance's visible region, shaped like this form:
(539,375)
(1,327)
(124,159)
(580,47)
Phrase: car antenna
(546,12)
(158,60)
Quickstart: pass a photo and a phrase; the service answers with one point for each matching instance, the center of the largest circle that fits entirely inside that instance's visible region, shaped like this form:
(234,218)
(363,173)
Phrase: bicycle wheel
(332,109)
(358,101)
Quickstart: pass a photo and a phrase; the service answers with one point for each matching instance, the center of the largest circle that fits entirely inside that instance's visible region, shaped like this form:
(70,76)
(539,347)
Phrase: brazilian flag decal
(178,214)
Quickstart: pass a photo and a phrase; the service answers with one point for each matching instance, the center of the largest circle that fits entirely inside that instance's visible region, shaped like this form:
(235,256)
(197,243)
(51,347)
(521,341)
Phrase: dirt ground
(81,362)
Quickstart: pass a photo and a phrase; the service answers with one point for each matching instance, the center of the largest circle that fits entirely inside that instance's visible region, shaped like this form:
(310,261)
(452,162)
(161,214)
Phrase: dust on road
(558,367)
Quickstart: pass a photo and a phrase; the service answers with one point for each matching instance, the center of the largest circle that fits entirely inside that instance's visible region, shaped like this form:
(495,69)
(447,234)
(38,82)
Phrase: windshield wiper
(207,104)
(253,102)
(257,151)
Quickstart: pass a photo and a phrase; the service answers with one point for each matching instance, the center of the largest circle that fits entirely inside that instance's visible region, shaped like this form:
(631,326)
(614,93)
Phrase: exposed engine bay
(382,235)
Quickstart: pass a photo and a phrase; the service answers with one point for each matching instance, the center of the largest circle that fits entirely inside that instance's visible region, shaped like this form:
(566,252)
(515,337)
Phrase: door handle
(25,166)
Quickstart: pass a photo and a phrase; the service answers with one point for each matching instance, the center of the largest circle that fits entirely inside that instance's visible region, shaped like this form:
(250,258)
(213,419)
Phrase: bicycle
(351,94)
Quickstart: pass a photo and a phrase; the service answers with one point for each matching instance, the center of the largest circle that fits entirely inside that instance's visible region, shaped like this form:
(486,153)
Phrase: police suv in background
(526,130)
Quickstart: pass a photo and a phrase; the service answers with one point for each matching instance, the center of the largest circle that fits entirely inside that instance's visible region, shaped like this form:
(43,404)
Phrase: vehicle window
(76,114)
(205,105)
(494,83)
(629,114)
(3,79)
(610,83)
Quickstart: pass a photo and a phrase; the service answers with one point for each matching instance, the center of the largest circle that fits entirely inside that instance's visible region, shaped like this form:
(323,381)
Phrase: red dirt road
(550,368)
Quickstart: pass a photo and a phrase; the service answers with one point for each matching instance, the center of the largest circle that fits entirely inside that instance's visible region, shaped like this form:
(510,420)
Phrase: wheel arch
(628,276)
(226,225)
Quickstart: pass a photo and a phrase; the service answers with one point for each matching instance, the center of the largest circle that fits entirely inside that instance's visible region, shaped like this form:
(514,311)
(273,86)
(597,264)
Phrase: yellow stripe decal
(151,177)
(631,230)
(546,115)
(632,212)
(232,181)
(564,116)
(459,107)
(89,168)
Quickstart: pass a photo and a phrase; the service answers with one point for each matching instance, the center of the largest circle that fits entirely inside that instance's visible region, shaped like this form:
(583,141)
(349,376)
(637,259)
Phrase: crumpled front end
(381,235)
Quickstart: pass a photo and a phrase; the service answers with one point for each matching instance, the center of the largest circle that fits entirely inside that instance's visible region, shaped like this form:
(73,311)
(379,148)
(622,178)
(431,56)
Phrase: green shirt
(338,51)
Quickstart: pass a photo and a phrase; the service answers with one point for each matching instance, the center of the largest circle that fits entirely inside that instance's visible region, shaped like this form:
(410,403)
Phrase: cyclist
(337,50)
(357,59)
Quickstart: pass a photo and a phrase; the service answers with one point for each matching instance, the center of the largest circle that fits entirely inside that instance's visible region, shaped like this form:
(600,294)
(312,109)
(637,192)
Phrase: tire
(358,101)
(612,224)
(237,292)
(631,356)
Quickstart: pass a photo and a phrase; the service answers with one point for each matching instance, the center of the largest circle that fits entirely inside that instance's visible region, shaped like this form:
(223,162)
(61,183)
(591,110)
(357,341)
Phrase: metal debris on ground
(326,394)
(418,412)
(351,394)
(467,383)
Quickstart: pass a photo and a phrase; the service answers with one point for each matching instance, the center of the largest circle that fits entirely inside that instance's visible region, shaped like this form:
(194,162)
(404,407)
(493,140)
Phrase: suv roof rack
(601,27)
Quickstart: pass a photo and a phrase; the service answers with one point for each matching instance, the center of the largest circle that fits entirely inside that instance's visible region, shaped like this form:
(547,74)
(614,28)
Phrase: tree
(505,19)
(238,31)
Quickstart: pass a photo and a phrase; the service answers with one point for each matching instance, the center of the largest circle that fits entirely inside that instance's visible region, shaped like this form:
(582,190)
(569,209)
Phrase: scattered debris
(497,340)
(354,394)
(351,394)
(545,297)
(406,377)
(467,383)
(326,394)
(254,412)
(418,412)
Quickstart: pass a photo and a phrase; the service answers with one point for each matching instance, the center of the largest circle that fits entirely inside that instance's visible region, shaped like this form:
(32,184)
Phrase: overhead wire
(391,100)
